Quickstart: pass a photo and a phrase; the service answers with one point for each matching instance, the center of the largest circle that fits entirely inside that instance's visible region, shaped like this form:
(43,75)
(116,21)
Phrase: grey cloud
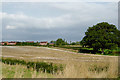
(71,26)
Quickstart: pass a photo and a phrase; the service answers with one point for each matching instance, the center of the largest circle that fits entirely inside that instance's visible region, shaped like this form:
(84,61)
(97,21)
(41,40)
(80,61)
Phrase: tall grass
(73,69)
(90,70)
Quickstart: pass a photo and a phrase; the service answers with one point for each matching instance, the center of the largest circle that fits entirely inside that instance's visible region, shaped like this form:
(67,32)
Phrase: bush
(108,52)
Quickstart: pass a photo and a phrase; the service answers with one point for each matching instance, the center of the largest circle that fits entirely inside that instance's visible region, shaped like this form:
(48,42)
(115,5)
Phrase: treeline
(27,44)
(62,42)
(38,66)
(58,42)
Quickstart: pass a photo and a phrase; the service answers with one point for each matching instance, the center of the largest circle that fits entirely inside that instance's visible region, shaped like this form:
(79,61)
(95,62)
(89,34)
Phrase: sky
(46,21)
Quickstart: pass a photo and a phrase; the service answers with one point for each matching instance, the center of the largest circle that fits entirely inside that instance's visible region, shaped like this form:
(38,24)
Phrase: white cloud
(10,27)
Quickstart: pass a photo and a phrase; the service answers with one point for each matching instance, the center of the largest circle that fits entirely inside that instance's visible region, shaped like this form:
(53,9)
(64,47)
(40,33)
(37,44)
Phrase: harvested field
(79,63)
(44,53)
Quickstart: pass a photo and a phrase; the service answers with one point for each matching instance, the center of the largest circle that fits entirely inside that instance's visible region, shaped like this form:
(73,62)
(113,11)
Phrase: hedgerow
(38,66)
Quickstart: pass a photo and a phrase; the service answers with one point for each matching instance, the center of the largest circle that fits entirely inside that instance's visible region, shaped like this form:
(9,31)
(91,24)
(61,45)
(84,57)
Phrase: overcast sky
(45,21)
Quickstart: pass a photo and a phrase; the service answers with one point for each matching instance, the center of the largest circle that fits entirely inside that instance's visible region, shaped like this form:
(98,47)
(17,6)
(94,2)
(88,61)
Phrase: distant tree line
(62,42)
(27,43)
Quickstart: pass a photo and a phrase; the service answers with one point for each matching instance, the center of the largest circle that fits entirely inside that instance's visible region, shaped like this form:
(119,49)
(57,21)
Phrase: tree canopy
(101,36)
(60,42)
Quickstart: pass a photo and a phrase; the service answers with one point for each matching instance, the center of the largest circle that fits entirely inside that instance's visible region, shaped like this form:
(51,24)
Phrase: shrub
(108,52)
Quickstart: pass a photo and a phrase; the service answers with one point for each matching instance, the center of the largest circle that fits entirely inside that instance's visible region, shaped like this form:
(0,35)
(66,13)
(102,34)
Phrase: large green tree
(101,36)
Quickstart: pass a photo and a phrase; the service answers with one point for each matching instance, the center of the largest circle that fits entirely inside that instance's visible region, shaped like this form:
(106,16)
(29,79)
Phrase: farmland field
(77,65)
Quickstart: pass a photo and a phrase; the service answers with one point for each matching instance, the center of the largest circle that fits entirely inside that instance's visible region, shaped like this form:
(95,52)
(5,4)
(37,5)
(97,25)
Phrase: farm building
(11,43)
(43,43)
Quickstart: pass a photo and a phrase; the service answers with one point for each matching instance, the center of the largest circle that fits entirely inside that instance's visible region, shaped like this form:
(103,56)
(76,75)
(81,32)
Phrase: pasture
(77,65)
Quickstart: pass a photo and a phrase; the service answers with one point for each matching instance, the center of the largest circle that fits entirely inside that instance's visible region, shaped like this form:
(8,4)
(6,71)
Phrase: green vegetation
(91,51)
(38,66)
(27,44)
(60,42)
(102,36)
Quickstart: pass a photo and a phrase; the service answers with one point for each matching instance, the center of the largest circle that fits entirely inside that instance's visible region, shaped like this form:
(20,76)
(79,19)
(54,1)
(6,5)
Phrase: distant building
(8,43)
(11,43)
(30,41)
(43,43)
(2,43)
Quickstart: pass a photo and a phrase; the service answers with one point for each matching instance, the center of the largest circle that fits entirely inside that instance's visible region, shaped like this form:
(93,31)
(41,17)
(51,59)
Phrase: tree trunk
(95,50)
(102,51)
